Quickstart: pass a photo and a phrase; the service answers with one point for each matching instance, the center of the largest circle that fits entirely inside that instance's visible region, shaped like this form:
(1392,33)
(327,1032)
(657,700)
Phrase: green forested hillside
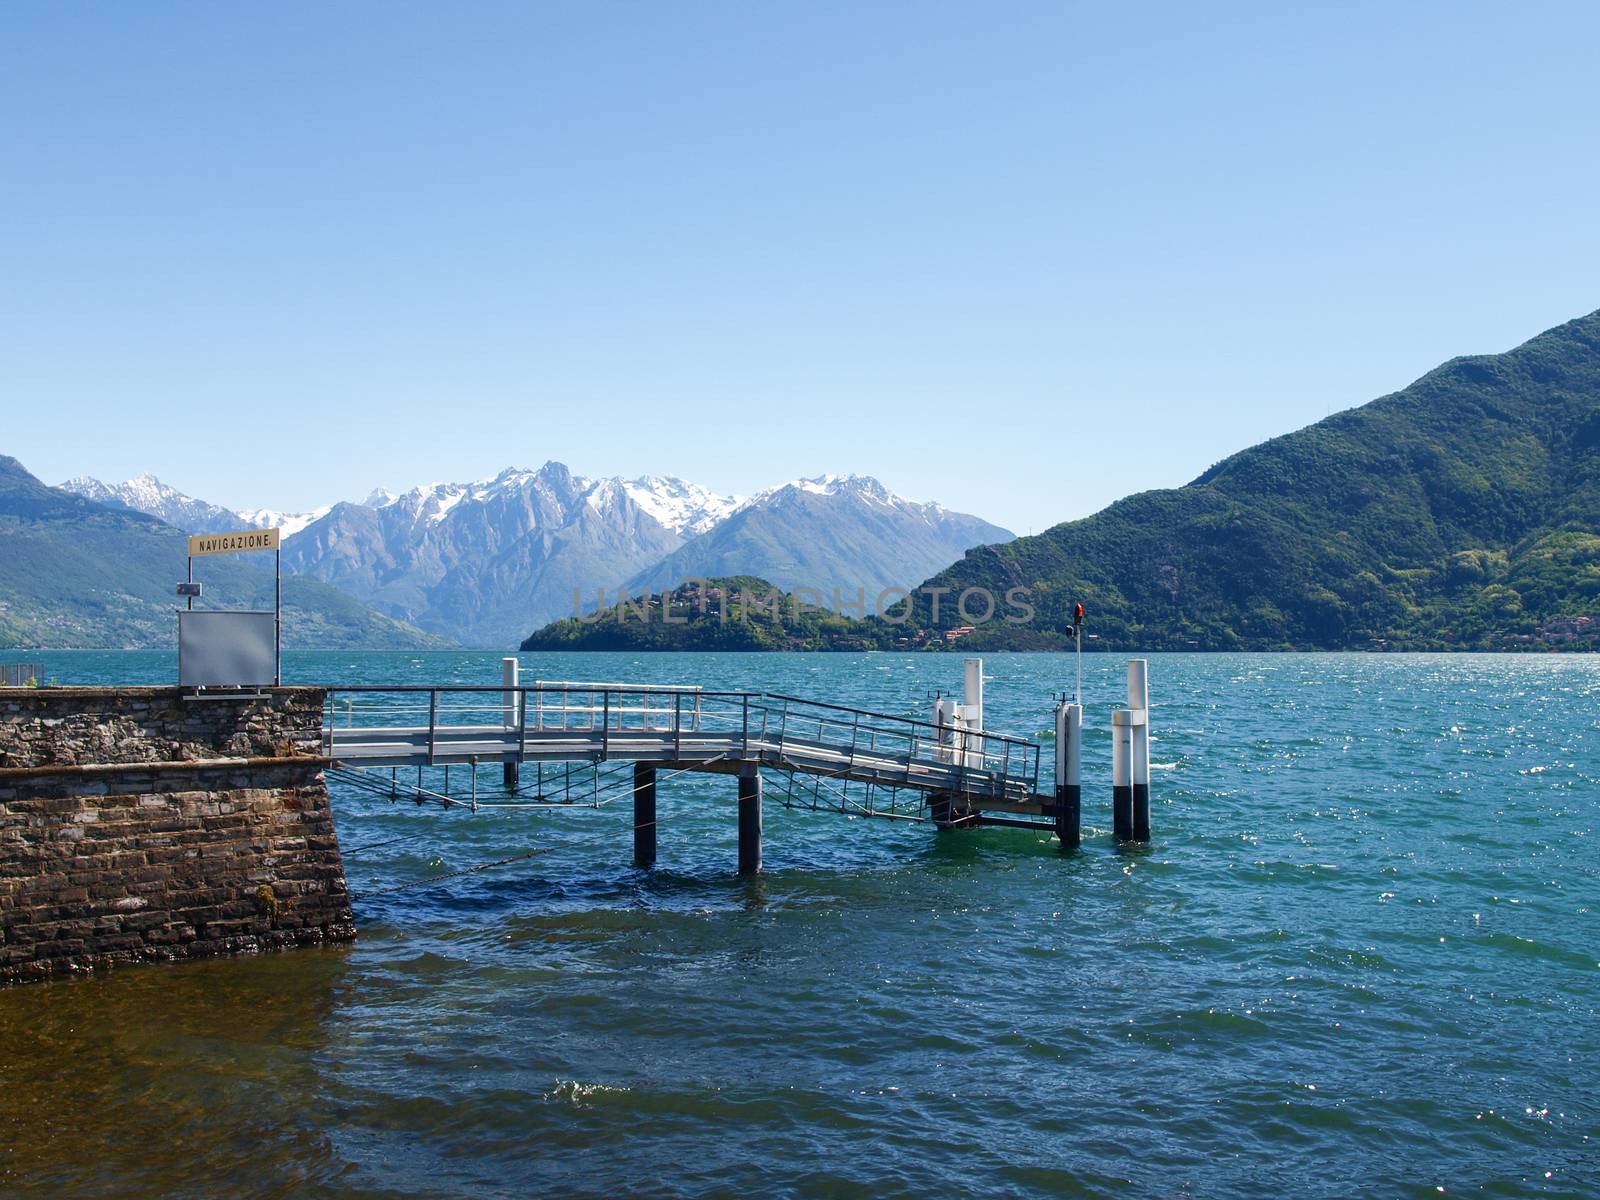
(740,612)
(74,573)
(1460,513)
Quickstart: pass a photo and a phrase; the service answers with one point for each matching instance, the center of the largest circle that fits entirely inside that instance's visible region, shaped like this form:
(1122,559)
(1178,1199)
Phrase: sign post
(204,544)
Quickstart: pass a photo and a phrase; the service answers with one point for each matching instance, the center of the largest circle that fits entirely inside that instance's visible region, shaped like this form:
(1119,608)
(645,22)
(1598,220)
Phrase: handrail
(868,712)
(992,751)
(657,688)
(661,689)
(600,685)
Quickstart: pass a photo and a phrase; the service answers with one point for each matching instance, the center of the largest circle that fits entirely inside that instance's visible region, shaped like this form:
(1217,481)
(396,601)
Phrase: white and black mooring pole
(1130,759)
(509,669)
(1069,763)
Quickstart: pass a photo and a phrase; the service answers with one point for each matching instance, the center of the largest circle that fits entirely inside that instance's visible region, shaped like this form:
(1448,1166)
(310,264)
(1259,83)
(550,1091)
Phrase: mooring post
(1121,791)
(1069,761)
(971,711)
(749,821)
(644,815)
(512,773)
(1139,746)
(1130,759)
(947,719)
(972,694)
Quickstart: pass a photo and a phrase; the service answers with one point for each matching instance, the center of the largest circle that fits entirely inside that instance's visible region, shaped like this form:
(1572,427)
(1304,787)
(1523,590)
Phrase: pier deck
(899,766)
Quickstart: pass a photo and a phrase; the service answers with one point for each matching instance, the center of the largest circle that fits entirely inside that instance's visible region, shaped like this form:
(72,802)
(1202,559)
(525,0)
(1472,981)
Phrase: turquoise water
(1361,958)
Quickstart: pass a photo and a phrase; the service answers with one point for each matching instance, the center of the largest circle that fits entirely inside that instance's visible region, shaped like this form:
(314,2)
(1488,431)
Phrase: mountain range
(78,573)
(482,563)
(1462,512)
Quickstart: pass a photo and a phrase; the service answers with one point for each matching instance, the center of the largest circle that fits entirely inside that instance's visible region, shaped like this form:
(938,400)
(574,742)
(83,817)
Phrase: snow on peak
(145,492)
(286,523)
(683,507)
(432,502)
(864,487)
(89,487)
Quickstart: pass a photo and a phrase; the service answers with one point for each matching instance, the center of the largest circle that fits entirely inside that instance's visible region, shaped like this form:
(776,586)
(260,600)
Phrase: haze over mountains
(483,563)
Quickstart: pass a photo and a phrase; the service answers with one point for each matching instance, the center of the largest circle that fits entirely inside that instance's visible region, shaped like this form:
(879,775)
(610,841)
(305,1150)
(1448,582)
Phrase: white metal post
(946,715)
(1139,746)
(508,698)
(1069,769)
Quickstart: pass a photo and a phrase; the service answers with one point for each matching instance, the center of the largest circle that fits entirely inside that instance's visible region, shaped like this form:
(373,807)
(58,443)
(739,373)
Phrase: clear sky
(1020,258)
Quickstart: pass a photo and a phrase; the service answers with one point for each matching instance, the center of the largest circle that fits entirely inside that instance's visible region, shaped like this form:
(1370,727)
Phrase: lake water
(1361,958)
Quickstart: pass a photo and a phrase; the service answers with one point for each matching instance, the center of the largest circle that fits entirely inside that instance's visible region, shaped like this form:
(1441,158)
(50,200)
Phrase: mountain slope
(147,494)
(82,574)
(1461,512)
(849,533)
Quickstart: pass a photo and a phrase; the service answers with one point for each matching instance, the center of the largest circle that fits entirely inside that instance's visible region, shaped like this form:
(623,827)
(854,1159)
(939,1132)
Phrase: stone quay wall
(138,824)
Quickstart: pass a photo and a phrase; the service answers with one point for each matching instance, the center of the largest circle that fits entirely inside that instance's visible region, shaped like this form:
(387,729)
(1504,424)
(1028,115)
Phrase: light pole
(1077,645)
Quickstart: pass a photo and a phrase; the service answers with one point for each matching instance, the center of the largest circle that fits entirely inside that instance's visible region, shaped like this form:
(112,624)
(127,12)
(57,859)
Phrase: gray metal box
(226,649)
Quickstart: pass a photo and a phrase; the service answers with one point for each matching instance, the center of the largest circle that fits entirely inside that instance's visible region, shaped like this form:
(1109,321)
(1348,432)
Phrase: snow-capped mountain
(676,504)
(486,562)
(683,507)
(147,494)
(833,531)
(863,486)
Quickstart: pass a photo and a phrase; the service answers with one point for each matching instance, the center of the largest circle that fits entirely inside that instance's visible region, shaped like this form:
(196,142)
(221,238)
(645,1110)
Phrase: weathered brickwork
(135,826)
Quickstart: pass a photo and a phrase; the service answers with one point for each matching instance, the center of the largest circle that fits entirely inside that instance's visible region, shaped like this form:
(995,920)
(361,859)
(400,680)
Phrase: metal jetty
(564,744)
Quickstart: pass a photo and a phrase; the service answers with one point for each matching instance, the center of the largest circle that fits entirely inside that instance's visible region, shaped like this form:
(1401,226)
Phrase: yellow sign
(232,543)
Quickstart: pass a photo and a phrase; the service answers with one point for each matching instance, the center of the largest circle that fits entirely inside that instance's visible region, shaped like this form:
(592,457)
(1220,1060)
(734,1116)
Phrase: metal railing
(21,674)
(595,721)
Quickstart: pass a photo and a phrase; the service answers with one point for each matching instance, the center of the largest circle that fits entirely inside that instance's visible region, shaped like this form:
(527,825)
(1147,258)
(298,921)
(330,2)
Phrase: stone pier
(137,824)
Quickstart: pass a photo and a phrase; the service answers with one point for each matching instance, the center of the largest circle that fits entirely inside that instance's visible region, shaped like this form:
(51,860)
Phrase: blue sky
(1020,258)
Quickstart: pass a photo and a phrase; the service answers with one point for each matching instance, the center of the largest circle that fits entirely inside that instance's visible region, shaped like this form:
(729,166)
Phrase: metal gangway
(568,743)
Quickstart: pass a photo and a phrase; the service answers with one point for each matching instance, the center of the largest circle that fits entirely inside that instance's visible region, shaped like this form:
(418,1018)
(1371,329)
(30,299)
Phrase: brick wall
(136,825)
